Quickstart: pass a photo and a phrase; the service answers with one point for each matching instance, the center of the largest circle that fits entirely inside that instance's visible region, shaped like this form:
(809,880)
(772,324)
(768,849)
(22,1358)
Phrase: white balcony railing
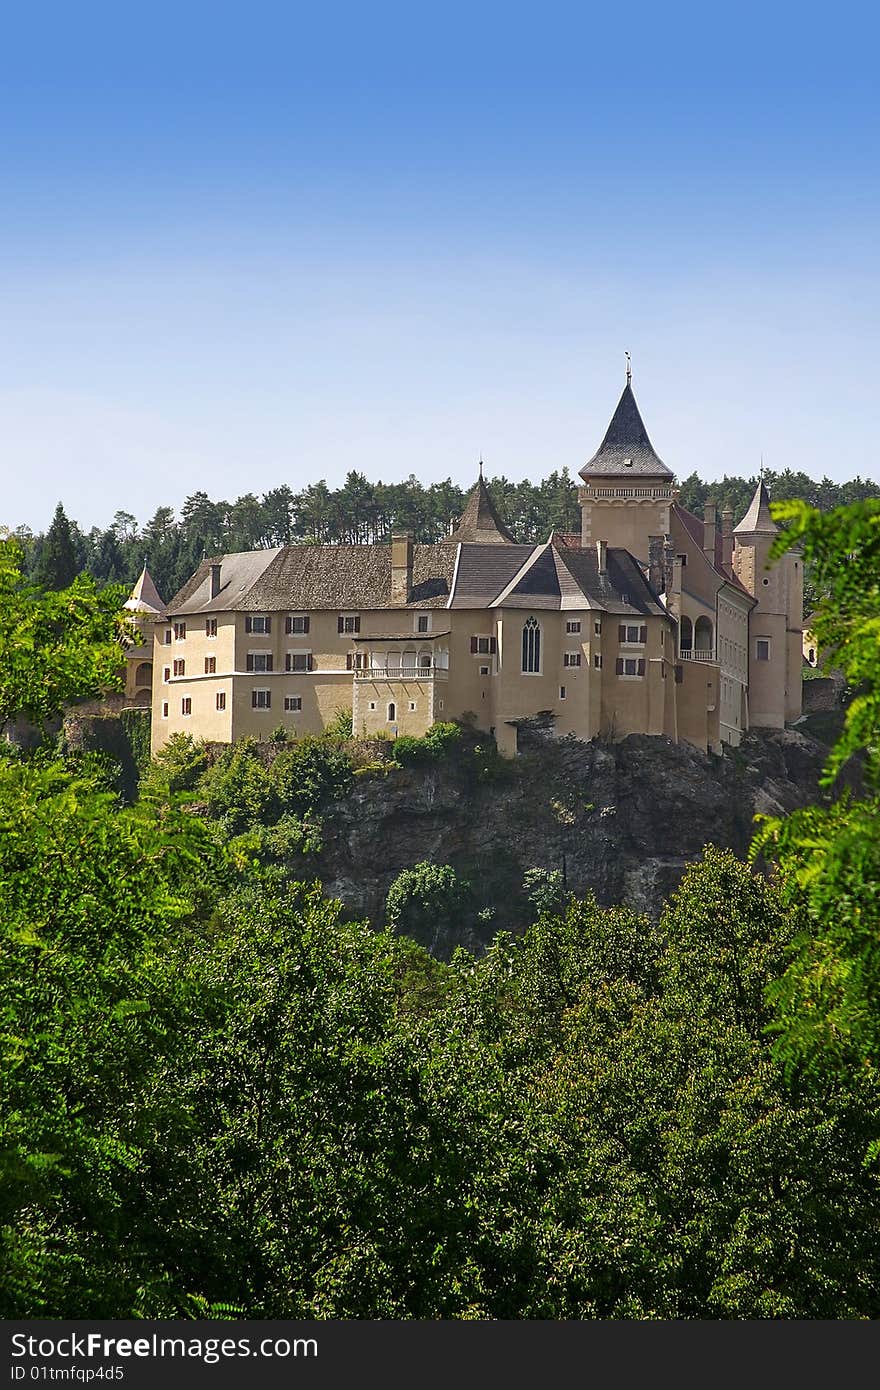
(401,673)
(697,654)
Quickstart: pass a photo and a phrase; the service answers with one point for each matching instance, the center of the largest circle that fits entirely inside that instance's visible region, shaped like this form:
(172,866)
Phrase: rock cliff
(621,820)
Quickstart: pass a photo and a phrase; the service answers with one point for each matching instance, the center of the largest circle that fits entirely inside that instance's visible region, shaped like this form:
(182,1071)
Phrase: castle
(652,620)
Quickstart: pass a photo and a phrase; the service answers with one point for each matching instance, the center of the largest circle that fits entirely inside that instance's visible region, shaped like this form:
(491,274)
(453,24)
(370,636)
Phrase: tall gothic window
(531,645)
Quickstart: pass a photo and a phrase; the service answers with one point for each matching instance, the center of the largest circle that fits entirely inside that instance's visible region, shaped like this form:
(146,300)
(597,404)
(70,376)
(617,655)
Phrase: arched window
(144,674)
(392,712)
(703,634)
(531,645)
(685,635)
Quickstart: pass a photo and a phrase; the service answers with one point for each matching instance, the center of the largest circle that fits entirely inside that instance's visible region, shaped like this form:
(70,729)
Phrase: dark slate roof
(623,587)
(314,577)
(480,523)
(484,570)
(626,449)
(758,519)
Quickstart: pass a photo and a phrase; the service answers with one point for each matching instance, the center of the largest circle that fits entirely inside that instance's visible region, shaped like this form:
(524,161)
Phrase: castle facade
(652,620)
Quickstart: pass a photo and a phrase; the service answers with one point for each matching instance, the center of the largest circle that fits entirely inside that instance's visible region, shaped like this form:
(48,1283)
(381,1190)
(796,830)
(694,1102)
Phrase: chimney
(656,577)
(215,580)
(401,568)
(727,538)
(602,556)
(672,566)
(709,512)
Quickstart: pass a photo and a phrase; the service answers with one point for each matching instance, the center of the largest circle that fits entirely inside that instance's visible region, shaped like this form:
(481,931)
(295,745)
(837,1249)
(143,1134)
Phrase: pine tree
(58,565)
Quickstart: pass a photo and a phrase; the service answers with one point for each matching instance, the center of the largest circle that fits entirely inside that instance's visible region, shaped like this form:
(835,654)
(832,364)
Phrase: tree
(55,647)
(429,903)
(829,856)
(58,564)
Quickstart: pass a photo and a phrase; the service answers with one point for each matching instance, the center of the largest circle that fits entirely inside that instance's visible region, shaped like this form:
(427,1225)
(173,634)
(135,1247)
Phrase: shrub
(238,787)
(310,773)
(427,902)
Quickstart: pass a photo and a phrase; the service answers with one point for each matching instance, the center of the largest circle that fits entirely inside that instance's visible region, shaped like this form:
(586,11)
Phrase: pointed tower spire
(626,449)
(144,597)
(480,522)
(757,520)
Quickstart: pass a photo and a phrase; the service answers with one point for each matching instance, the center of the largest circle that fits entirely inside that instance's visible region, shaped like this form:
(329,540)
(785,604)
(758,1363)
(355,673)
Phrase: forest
(222,1098)
(359,512)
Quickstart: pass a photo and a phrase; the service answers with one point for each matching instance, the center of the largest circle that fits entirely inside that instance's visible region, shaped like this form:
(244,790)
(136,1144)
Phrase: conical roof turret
(757,520)
(144,597)
(626,449)
(480,523)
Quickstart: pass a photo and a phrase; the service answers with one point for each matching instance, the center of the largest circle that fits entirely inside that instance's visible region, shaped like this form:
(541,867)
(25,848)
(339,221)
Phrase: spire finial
(481,463)
(629,369)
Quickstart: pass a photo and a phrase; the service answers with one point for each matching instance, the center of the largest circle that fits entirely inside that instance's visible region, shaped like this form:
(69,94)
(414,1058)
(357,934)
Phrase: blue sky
(241,245)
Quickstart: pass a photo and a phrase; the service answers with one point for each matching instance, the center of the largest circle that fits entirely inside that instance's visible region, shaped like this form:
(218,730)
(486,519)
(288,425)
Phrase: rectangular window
(259,661)
(166,673)
(423,622)
(186,705)
(220,702)
(571,659)
(562,692)
(296,622)
(372,704)
(293,704)
(762,649)
(210,665)
(261,699)
(258,622)
(630,666)
(210,627)
(597,661)
(349,622)
(683,559)
(179,631)
(633,634)
(483,646)
(484,670)
(179,668)
(355,661)
(166,637)
(165,709)
(573,625)
(597,628)
(298,661)
(412,706)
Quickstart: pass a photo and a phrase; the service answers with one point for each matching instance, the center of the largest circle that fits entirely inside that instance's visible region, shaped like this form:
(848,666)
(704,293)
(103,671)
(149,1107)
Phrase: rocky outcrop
(620,820)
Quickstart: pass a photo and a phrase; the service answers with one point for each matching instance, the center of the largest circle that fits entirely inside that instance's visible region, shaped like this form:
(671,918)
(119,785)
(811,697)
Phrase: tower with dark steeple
(480,522)
(776,624)
(627,488)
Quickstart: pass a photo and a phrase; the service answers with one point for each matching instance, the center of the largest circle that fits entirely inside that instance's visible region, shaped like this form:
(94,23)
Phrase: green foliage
(828,998)
(55,648)
(427,902)
(136,724)
(237,788)
(340,726)
(58,565)
(545,889)
(178,766)
(435,745)
(311,774)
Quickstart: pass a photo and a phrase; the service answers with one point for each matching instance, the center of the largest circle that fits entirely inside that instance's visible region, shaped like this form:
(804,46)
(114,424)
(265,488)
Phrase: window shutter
(473,646)
(493,645)
(249,625)
(268,699)
(249,666)
(679,675)
(641,667)
(621,632)
(349,661)
(268,663)
(310,660)
(340,627)
(619,665)
(357,624)
(288,625)
(268,627)
(306,623)
(643,634)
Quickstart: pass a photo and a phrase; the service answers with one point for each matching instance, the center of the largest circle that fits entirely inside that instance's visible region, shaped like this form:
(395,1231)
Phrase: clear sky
(246,244)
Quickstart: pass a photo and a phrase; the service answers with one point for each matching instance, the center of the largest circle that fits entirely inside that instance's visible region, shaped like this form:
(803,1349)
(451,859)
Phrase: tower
(627,488)
(776,623)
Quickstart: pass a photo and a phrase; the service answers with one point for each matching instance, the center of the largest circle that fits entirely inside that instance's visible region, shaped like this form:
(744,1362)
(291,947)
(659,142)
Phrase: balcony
(434,672)
(697,654)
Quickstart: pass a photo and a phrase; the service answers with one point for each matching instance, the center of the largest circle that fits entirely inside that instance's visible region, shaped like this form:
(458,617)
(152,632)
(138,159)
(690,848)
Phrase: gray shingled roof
(626,449)
(310,577)
(480,523)
(758,519)
(484,570)
(566,578)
